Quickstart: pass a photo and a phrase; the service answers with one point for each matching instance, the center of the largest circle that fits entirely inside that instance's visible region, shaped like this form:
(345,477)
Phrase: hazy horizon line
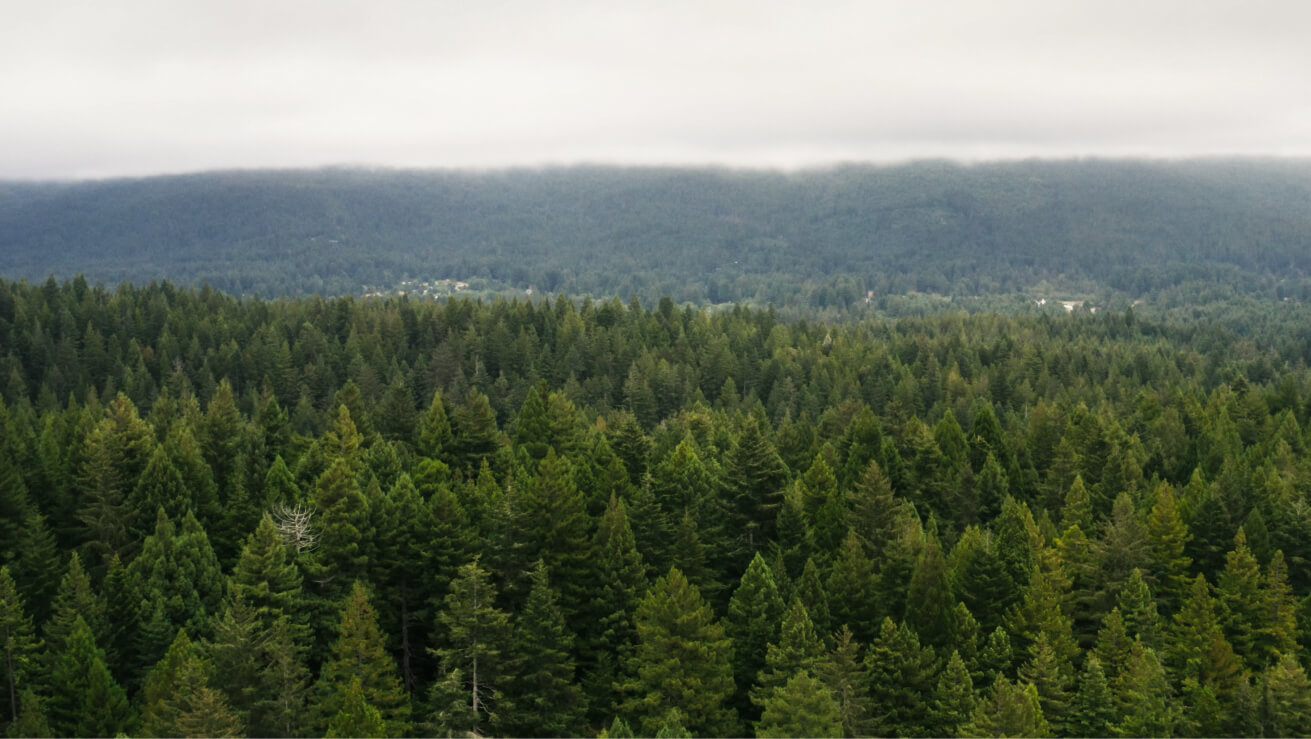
(690,165)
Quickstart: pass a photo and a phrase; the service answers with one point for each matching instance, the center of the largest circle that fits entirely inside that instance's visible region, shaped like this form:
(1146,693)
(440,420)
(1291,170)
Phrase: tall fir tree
(89,702)
(541,697)
(360,653)
(476,635)
(19,646)
(683,660)
(752,624)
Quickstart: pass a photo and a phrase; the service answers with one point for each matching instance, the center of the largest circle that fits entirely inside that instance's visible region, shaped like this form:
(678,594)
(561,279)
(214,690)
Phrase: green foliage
(540,697)
(683,660)
(476,639)
(801,707)
(359,654)
(89,701)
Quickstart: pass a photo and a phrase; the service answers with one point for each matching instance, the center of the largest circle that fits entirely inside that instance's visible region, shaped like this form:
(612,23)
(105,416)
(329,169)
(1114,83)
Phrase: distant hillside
(823,236)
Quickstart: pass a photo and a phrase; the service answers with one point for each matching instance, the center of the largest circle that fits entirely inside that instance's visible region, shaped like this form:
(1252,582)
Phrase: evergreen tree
(1240,599)
(1093,711)
(621,580)
(476,634)
(1286,701)
(555,529)
(902,681)
(753,480)
(1167,538)
(810,589)
(844,674)
(357,718)
(752,624)
(1138,607)
(798,647)
(801,707)
(541,697)
(160,486)
(178,698)
(88,702)
(179,580)
(929,602)
(75,597)
(1276,632)
(1053,679)
(851,589)
(683,660)
(265,576)
(360,653)
(1142,696)
(433,436)
(953,701)
(18,645)
(1009,709)
(874,513)
(31,721)
(476,436)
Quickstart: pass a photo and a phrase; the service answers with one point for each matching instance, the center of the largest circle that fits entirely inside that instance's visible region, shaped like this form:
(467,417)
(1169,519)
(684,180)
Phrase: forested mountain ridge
(821,237)
(560,518)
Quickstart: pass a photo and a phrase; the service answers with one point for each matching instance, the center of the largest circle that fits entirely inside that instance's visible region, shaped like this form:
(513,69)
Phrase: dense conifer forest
(393,517)
(821,238)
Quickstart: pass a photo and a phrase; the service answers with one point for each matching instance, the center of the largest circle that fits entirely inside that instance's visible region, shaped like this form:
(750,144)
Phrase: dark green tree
(475,634)
(540,697)
(754,613)
(360,653)
(89,702)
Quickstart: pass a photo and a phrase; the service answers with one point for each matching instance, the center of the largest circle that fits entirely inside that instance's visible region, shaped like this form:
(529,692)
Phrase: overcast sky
(133,87)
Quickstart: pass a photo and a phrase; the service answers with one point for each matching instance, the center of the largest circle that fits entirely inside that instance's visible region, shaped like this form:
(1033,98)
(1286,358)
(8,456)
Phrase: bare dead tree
(295,524)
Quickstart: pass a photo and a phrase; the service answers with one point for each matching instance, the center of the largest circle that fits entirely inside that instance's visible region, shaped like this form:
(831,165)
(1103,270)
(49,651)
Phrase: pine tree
(902,681)
(265,575)
(874,513)
(1053,679)
(754,477)
(1009,709)
(476,436)
(160,486)
(621,580)
(75,598)
(1240,599)
(19,647)
(1093,711)
(810,589)
(554,528)
(801,707)
(1276,632)
(953,701)
(844,674)
(476,634)
(405,578)
(1142,696)
(88,701)
(929,602)
(683,660)
(1167,538)
(178,697)
(752,624)
(1138,607)
(344,540)
(179,578)
(360,652)
(357,718)
(31,721)
(851,589)
(798,647)
(541,697)
(284,686)
(1286,699)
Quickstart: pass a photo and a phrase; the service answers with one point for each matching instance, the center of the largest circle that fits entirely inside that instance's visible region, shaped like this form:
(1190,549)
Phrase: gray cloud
(139,87)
